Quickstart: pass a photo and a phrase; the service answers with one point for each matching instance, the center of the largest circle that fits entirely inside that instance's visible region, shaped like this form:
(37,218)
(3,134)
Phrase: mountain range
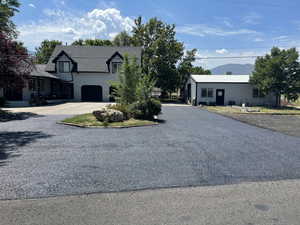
(235,69)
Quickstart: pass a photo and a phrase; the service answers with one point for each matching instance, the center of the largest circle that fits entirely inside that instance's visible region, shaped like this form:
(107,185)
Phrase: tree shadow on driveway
(6,116)
(10,141)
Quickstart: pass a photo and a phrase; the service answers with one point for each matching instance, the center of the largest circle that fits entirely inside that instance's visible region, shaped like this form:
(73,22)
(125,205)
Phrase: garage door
(91,93)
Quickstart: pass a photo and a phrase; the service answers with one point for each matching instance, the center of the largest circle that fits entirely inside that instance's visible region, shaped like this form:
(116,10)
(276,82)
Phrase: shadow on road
(6,116)
(10,141)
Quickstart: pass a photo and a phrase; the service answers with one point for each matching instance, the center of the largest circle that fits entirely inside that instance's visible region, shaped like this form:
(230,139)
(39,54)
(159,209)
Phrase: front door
(220,96)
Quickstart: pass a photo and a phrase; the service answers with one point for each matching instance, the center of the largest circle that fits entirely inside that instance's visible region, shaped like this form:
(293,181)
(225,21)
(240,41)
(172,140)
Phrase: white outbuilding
(225,90)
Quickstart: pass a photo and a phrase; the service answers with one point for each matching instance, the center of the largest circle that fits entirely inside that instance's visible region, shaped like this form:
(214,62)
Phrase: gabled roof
(39,71)
(221,78)
(91,58)
(62,52)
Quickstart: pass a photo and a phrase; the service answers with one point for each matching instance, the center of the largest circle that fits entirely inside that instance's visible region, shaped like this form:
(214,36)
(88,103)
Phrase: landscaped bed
(285,120)
(89,120)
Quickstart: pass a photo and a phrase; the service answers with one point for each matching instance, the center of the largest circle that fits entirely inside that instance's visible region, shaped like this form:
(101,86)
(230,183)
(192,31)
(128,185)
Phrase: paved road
(193,147)
(262,203)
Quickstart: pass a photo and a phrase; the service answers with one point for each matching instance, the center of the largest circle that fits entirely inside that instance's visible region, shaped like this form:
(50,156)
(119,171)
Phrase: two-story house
(80,73)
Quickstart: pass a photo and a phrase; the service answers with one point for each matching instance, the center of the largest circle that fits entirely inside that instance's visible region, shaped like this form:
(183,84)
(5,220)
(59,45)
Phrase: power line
(242,48)
(230,57)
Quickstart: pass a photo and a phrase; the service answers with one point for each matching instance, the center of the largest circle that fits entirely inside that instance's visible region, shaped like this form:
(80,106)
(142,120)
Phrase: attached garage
(91,93)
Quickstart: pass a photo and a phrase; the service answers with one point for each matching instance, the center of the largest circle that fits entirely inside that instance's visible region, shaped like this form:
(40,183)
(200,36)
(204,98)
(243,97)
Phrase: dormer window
(64,67)
(116,66)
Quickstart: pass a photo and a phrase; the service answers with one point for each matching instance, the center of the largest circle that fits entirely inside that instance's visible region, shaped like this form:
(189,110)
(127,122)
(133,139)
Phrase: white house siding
(237,92)
(101,79)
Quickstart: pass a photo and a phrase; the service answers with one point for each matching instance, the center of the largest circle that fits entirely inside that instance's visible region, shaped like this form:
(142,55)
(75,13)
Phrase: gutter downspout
(196,100)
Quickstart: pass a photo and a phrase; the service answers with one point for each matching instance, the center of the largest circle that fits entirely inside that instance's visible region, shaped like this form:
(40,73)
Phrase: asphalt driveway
(40,158)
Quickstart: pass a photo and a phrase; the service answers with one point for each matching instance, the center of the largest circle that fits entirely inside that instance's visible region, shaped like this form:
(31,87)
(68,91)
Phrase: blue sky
(216,28)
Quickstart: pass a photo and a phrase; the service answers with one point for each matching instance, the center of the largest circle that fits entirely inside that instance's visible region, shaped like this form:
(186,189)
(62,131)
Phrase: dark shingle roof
(91,58)
(39,71)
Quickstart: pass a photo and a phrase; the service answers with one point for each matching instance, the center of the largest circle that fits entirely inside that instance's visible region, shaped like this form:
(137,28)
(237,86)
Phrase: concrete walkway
(69,108)
(61,109)
(266,203)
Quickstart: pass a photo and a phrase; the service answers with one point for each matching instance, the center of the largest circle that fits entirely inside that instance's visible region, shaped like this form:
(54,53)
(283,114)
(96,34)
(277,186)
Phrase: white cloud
(31,5)
(253,18)
(222,51)
(67,26)
(258,39)
(281,38)
(203,30)
(54,12)
(113,35)
(228,23)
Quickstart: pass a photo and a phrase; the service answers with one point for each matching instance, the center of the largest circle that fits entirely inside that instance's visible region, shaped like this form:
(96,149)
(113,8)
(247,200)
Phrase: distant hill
(236,69)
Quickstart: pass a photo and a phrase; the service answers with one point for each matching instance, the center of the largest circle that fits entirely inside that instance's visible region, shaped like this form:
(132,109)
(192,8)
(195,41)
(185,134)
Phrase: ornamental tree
(128,80)
(15,63)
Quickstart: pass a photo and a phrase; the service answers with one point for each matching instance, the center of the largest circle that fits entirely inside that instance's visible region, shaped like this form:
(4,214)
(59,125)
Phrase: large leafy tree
(185,67)
(44,51)
(123,39)
(8,8)
(161,51)
(279,73)
(92,42)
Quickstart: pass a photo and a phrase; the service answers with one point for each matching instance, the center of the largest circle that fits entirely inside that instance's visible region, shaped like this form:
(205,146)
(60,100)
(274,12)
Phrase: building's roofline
(198,78)
(39,70)
(91,58)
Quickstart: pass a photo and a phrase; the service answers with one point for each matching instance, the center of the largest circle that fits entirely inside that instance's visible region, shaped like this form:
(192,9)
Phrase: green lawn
(262,110)
(89,120)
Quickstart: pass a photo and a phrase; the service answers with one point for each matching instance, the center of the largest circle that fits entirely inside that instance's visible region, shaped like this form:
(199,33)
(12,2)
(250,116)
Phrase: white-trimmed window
(116,67)
(207,92)
(64,67)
